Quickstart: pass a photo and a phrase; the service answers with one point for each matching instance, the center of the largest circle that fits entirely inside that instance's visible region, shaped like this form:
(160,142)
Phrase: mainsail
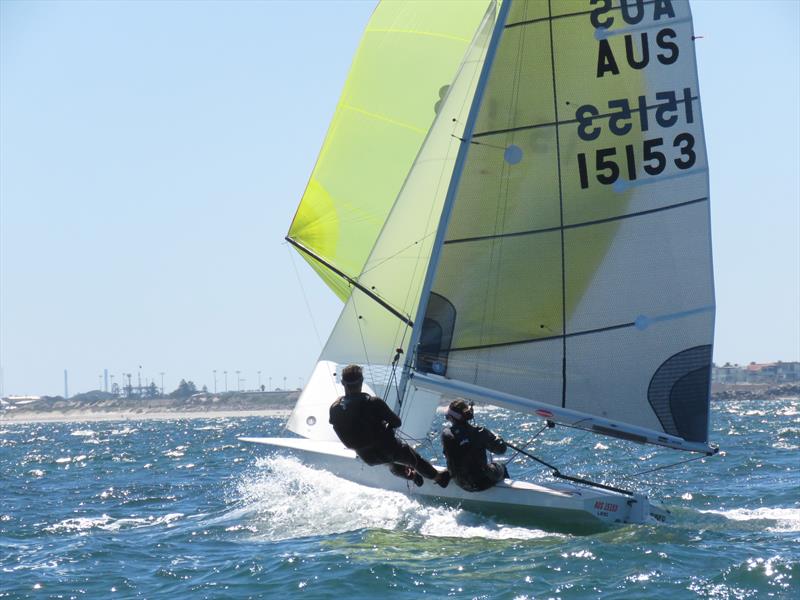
(572,273)
(407,58)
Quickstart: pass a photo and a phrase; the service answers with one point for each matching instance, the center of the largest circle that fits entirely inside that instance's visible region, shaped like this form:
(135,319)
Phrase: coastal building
(774,373)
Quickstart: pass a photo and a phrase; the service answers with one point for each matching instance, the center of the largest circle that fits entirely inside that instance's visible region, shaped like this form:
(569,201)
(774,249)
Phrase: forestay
(575,270)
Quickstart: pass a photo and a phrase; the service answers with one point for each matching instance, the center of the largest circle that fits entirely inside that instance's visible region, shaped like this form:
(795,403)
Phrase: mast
(451,193)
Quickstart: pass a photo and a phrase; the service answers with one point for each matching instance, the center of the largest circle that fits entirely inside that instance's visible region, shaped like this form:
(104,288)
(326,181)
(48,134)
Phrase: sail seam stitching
(481,238)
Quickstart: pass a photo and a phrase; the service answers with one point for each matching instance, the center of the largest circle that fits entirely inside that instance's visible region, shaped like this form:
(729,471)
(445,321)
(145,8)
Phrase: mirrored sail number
(620,116)
(608,164)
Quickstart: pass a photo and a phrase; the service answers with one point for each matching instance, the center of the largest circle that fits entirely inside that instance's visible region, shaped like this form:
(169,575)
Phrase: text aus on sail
(669,109)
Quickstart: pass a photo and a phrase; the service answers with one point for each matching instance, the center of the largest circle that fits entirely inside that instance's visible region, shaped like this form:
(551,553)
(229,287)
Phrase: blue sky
(152,155)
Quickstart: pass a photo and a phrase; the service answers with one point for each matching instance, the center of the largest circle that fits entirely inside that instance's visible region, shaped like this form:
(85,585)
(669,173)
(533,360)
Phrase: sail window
(436,336)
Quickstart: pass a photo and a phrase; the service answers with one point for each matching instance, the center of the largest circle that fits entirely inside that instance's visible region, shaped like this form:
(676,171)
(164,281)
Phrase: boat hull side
(561,506)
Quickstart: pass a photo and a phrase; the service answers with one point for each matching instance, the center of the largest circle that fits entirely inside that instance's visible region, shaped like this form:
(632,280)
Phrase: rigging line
(393,376)
(396,254)
(529,442)
(361,334)
(453,135)
(305,296)
(405,318)
(669,466)
(560,475)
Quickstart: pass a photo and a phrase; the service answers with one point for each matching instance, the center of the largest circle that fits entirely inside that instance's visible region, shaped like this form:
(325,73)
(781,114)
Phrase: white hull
(559,506)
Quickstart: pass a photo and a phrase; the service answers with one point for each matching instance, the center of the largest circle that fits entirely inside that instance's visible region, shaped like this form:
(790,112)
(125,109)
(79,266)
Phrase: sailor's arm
(493,441)
(387,414)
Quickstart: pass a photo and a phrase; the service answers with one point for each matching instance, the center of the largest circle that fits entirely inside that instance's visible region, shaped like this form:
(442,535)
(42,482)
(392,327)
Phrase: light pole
(226,380)
(238,382)
(270,384)
(215,380)
(162,381)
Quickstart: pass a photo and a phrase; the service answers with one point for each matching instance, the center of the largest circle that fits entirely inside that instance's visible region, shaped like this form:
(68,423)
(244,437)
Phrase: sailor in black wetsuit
(465,447)
(366,424)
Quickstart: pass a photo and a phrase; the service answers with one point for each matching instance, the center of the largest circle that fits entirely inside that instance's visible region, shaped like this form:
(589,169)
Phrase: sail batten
(574,225)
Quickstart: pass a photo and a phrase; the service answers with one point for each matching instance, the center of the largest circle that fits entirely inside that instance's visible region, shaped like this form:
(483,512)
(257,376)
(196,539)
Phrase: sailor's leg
(405,472)
(401,471)
(496,472)
(406,455)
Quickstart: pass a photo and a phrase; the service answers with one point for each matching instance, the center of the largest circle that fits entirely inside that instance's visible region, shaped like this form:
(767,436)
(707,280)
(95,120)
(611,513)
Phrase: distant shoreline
(91,416)
(199,406)
(264,404)
(754,391)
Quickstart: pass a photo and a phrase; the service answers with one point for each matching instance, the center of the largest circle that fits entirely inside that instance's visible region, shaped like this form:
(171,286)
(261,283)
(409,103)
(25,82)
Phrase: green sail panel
(404,65)
(576,263)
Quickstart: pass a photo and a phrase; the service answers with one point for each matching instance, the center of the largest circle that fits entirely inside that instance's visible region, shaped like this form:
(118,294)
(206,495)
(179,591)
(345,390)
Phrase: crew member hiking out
(465,447)
(366,424)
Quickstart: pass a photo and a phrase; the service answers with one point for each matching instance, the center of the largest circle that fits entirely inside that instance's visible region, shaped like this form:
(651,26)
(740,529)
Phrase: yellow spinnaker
(408,56)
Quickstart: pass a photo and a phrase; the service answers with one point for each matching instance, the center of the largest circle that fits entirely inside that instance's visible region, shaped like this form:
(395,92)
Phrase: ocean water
(181,509)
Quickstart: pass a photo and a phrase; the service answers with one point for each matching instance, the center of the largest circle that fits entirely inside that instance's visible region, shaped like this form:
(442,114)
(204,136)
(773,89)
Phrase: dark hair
(352,375)
(459,410)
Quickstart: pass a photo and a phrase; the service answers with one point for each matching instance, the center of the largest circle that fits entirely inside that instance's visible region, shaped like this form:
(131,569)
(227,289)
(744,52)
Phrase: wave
(783,519)
(83,433)
(284,499)
(107,523)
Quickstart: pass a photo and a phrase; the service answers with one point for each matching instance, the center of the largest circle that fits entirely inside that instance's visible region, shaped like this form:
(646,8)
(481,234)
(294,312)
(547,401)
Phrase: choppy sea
(181,509)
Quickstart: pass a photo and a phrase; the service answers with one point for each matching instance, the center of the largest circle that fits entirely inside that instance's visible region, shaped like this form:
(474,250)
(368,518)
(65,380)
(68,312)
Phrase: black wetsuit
(465,447)
(366,424)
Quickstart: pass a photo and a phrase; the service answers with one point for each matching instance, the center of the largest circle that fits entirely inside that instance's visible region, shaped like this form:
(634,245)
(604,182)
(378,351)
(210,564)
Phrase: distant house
(777,372)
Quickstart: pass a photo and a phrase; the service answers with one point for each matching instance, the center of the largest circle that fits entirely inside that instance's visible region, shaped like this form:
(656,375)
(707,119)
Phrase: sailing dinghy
(512,202)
